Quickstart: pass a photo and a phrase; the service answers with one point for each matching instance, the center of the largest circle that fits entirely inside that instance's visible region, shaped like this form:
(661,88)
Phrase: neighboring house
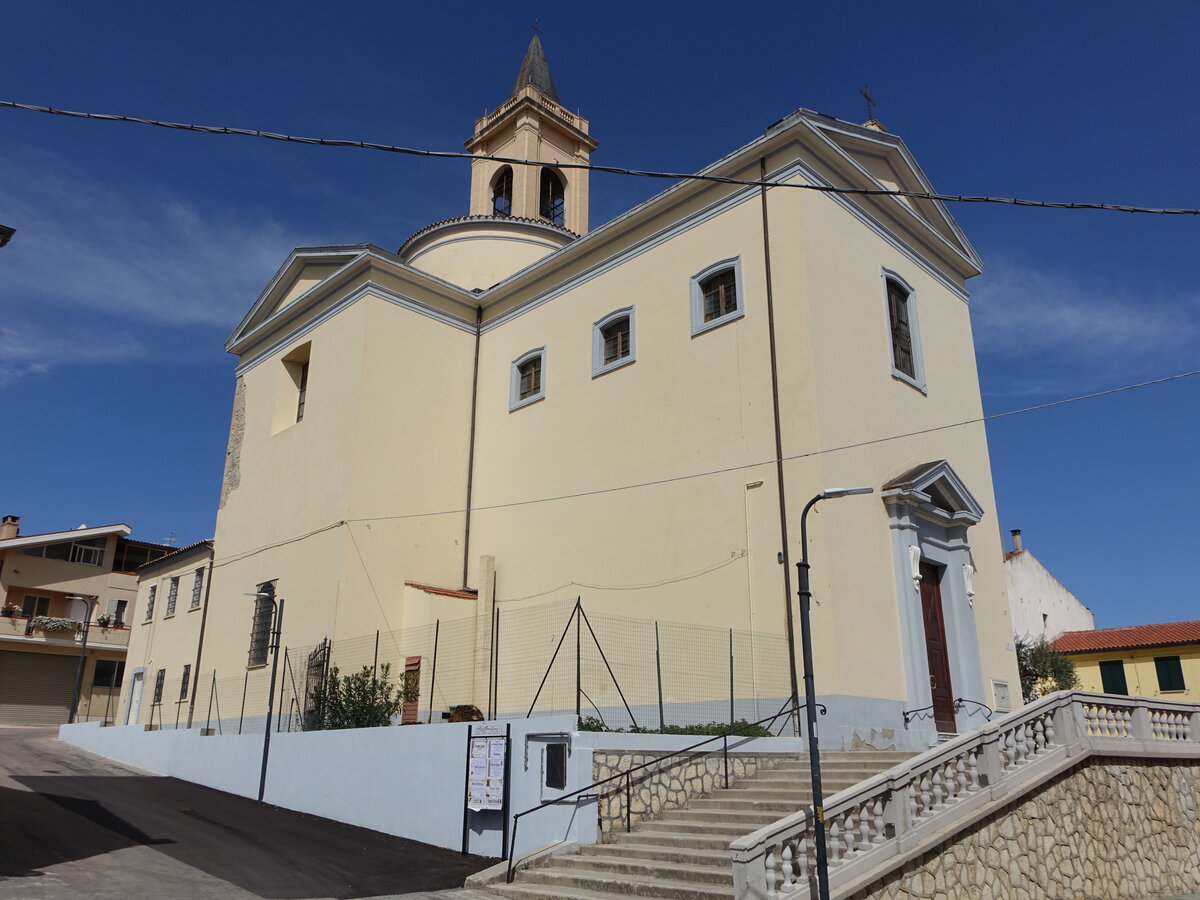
(511,406)
(167,641)
(1040,605)
(50,586)
(1139,660)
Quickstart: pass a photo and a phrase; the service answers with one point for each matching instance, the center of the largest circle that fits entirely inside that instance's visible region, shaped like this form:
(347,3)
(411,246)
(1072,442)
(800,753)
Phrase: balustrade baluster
(801,858)
(960,767)
(1039,735)
(938,794)
(789,884)
(772,883)
(834,845)
(926,797)
(867,820)
(850,834)
(910,797)
(1050,729)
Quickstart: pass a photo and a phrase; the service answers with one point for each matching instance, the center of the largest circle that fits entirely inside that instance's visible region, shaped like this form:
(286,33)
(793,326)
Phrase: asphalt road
(73,824)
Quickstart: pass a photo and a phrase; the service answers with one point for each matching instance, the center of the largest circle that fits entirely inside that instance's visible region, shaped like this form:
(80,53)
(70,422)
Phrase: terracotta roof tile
(1128,637)
(467,594)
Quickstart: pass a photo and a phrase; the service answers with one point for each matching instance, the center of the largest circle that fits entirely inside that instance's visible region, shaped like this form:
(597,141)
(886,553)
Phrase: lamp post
(810,705)
(87,620)
(273,649)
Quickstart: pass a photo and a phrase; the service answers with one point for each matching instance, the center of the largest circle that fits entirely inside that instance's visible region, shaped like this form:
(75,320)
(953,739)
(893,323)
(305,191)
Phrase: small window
(613,341)
(183,684)
(302,394)
(108,673)
(1112,676)
(902,325)
(159,680)
(1170,673)
(528,380)
(197,587)
(717,295)
(35,606)
(150,602)
(117,609)
(172,596)
(553,205)
(556,766)
(260,626)
(502,188)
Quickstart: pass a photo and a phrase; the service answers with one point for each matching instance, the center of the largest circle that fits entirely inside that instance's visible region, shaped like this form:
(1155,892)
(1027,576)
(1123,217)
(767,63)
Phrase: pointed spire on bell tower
(535,70)
(532,124)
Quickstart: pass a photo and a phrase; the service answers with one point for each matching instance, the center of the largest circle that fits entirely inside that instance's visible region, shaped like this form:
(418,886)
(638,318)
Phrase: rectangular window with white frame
(197,587)
(614,341)
(527,380)
(903,333)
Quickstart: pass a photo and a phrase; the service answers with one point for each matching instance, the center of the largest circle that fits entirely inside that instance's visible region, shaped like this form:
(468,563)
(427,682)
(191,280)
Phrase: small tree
(1043,669)
(365,699)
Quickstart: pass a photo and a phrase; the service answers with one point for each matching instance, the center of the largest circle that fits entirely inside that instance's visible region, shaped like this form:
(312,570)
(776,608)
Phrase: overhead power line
(614,170)
(722,471)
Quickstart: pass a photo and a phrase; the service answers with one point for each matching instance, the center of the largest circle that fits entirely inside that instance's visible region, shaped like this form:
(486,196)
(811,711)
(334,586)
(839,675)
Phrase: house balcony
(20,628)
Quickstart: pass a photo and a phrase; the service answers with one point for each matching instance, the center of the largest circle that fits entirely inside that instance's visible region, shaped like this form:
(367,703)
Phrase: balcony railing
(98,635)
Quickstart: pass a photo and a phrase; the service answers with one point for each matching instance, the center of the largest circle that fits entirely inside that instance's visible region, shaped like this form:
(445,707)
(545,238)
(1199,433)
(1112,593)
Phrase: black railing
(959,701)
(628,773)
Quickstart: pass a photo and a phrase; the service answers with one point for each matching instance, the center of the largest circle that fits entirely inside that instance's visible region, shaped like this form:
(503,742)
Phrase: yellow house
(513,405)
(59,590)
(1139,660)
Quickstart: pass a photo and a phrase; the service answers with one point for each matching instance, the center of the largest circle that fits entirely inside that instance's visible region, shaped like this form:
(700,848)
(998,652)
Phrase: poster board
(486,766)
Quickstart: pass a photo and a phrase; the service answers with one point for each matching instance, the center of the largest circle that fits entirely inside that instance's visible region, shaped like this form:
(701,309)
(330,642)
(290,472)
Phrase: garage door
(35,688)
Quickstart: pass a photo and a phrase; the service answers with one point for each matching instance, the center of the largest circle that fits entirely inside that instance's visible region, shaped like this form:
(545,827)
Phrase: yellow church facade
(512,405)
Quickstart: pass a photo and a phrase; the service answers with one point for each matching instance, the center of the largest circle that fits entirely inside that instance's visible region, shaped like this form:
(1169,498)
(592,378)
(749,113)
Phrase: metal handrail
(723,737)
(959,701)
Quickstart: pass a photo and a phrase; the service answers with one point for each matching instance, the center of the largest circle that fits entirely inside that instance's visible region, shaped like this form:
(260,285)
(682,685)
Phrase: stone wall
(657,789)
(1108,829)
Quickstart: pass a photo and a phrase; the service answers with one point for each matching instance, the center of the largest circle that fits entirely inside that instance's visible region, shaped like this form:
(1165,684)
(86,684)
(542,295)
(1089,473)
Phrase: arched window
(502,192)
(553,204)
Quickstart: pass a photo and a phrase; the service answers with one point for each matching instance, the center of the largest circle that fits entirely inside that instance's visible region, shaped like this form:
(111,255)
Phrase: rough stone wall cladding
(1109,829)
(233,452)
(656,790)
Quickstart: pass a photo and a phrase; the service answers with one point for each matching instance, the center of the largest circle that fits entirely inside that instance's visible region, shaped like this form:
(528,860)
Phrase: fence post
(282,686)
(242,714)
(496,665)
(578,664)
(374,661)
(437,627)
(730,686)
(662,724)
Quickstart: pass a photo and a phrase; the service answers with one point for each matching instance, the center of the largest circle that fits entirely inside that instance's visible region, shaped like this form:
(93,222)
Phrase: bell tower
(532,124)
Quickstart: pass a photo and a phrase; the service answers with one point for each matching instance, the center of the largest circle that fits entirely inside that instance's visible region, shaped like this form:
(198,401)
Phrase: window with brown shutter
(531,378)
(720,295)
(902,344)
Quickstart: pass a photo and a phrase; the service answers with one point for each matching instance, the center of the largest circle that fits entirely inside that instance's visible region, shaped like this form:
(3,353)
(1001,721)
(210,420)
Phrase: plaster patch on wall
(883,739)
(233,453)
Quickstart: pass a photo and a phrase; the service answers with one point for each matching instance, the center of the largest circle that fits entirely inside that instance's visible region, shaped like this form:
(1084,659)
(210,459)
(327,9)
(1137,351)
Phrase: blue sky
(138,249)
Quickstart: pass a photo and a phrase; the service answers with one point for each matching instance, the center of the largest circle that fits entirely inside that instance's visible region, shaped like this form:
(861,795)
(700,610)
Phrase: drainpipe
(212,551)
(471,448)
(779,482)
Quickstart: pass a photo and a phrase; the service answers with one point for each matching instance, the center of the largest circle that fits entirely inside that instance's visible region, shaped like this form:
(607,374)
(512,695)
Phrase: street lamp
(810,697)
(87,620)
(273,649)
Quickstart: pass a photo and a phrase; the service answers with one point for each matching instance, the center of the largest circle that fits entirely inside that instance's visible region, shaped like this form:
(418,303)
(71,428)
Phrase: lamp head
(257,594)
(845,492)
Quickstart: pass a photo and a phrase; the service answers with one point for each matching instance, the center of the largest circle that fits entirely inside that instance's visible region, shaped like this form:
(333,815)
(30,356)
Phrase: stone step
(665,869)
(566,882)
(718,841)
(779,807)
(715,855)
(735,829)
(520,890)
(736,817)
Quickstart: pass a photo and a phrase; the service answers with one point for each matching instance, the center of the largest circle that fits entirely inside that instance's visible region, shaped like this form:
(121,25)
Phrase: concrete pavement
(74,824)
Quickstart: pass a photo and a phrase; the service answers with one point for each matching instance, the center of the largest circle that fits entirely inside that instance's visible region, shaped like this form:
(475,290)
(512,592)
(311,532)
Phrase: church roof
(536,71)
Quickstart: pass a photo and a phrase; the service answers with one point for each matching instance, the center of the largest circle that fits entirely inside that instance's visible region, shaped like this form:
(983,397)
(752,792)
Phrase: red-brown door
(935,647)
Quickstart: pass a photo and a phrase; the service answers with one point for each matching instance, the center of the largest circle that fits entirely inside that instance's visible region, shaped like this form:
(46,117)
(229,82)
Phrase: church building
(513,404)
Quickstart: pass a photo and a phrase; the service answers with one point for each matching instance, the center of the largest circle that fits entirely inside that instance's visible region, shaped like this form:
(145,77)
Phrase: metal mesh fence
(542,660)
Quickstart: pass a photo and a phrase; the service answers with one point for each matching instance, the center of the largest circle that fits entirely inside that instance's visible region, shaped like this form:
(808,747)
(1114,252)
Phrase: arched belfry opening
(553,198)
(502,187)
(532,125)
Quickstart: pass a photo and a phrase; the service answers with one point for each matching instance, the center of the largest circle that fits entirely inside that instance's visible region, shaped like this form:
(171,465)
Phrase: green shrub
(362,700)
(741,727)
(1043,670)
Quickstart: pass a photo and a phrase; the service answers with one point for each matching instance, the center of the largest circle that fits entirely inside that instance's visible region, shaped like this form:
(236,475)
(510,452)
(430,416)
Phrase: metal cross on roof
(870,103)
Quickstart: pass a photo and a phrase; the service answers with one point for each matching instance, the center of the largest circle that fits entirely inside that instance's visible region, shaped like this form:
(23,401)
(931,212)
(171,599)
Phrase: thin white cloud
(1039,332)
(35,350)
(155,258)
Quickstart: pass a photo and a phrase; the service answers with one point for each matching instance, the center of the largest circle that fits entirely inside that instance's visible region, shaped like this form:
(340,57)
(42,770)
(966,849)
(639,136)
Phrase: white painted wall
(1033,593)
(409,782)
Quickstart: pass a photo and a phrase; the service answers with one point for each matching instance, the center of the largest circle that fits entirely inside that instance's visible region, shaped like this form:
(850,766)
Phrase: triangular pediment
(935,486)
(302,272)
(877,160)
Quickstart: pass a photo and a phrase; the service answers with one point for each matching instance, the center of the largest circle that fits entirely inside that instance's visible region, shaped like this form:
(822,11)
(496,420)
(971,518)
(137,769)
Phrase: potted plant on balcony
(8,610)
(56,623)
(105,620)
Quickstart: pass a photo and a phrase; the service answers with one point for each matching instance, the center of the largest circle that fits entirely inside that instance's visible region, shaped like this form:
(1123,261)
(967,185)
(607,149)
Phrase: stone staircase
(684,853)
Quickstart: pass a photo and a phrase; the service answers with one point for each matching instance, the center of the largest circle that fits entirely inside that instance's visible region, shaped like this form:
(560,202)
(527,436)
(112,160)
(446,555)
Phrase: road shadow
(269,851)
